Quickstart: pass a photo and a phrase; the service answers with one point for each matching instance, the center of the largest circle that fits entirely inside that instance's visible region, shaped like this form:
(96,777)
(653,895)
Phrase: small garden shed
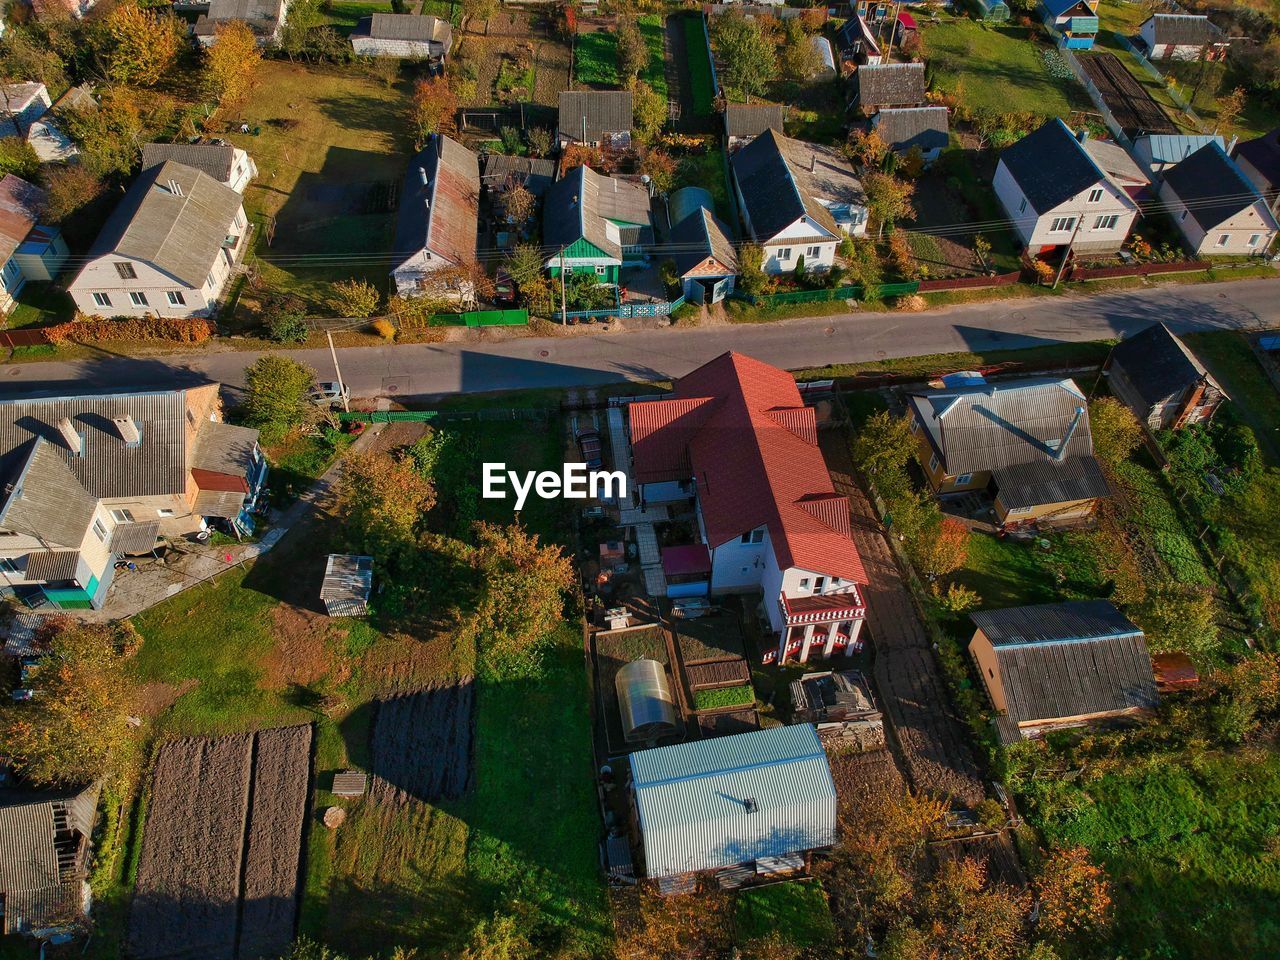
(348,580)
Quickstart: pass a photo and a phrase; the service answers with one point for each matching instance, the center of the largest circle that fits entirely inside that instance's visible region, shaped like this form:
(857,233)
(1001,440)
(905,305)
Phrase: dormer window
(1095,195)
(126,271)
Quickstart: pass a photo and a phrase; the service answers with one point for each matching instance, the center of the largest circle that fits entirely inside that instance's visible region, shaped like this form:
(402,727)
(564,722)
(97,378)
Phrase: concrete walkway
(188,564)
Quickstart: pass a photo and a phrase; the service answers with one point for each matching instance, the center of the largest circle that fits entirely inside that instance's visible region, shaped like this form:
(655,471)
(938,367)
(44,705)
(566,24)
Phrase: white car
(330,393)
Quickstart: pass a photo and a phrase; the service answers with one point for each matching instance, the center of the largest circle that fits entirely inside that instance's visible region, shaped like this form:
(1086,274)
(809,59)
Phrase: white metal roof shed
(733,800)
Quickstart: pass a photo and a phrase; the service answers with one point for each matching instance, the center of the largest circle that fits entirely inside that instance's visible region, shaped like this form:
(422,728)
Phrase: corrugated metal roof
(1096,676)
(45,499)
(51,566)
(107,467)
(224,448)
(1158,364)
(1184,29)
(753,119)
(214,159)
(1054,623)
(439,203)
(1173,147)
(583,204)
(347,577)
(731,800)
(992,426)
(20,206)
(410,26)
(905,127)
(135,537)
(35,890)
(890,84)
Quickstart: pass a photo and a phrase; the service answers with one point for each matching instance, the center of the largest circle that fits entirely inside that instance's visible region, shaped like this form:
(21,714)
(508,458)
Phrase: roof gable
(581,204)
(1050,166)
(782,180)
(1211,187)
(699,236)
(735,427)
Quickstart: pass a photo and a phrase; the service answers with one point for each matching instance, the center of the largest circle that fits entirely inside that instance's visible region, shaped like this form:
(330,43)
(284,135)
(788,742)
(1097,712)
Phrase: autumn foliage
(383,498)
(1075,898)
(75,730)
(145,45)
(433,107)
(96,330)
(944,548)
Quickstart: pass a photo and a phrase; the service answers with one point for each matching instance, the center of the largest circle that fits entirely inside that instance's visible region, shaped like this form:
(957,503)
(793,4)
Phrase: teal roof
(731,800)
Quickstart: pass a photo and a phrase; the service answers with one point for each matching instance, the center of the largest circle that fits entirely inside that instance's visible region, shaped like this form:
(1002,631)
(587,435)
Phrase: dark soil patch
(421,744)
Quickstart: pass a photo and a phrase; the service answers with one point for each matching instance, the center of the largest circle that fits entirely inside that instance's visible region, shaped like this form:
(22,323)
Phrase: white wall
(1239,229)
(738,566)
(802,237)
(1034,227)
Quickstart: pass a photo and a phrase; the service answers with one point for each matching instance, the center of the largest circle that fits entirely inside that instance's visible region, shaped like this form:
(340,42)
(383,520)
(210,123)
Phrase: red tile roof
(739,428)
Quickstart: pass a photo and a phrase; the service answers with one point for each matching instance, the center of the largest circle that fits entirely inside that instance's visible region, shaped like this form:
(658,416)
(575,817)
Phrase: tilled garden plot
(421,744)
(207,798)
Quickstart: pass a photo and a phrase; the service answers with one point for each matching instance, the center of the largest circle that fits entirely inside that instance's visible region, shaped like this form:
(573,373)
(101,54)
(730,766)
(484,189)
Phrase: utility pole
(564,314)
(1070,246)
(342,387)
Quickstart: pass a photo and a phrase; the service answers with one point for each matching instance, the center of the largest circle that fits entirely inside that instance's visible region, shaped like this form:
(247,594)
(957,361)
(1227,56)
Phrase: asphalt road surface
(424,370)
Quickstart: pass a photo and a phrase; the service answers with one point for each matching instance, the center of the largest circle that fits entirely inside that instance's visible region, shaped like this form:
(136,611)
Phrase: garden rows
(218,876)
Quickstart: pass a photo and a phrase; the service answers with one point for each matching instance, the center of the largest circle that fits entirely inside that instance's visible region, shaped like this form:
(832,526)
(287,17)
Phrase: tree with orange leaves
(75,730)
(433,107)
(1075,898)
(941,548)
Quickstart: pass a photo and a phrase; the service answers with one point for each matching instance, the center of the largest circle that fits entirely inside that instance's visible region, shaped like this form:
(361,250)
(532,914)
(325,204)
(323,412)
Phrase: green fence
(835,293)
(482,318)
(389,416)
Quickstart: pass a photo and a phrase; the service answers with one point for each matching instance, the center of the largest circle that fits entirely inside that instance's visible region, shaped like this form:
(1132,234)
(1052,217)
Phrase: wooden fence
(23,338)
(970,283)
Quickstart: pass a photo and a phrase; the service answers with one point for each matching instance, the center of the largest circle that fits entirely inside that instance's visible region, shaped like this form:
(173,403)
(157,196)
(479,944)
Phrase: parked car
(22,693)
(506,292)
(589,445)
(329,394)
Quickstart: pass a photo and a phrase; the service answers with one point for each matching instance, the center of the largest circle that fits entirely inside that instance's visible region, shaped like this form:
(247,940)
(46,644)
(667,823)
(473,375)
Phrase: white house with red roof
(736,438)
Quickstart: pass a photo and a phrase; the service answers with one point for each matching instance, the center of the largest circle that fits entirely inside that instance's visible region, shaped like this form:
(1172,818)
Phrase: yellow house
(1028,441)
(1061,665)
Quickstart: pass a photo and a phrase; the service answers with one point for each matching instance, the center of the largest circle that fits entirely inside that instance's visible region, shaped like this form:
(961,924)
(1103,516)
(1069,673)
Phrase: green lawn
(796,911)
(1199,836)
(40,304)
(1231,361)
(343,15)
(596,56)
(331,147)
(703,88)
(998,68)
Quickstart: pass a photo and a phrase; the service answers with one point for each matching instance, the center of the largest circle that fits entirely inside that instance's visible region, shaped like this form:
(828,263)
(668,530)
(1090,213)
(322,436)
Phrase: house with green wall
(595,224)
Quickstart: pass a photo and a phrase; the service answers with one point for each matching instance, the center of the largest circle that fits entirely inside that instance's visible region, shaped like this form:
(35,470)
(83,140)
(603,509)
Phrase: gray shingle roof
(1185,29)
(605,112)
(782,180)
(753,119)
(535,174)
(1050,166)
(1211,186)
(409,26)
(578,206)
(442,213)
(1263,153)
(46,501)
(699,236)
(215,159)
(1158,363)
(896,84)
(224,448)
(905,127)
(180,235)
(1068,659)
(262,16)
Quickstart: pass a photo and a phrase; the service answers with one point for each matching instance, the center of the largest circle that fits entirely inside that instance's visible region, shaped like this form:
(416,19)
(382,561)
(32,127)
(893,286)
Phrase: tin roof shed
(348,579)
(732,800)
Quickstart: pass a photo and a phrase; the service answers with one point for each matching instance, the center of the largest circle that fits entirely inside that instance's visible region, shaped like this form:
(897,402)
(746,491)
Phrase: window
(784,253)
(1062,223)
(210,279)
(835,581)
(1107,222)
(176,299)
(1254,238)
(1222,240)
(815,252)
(164,512)
(933,463)
(1095,195)
(7,565)
(804,583)
(819,583)
(138,297)
(990,672)
(126,271)
(1022,207)
(964,479)
(122,516)
(754,536)
(101,300)
(1182,216)
(99,530)
(915,425)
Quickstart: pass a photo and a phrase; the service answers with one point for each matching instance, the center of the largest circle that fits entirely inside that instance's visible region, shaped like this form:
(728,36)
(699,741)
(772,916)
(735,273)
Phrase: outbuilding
(1161,381)
(747,805)
(348,581)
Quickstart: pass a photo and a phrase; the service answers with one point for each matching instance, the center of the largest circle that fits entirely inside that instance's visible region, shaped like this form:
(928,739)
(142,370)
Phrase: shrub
(286,320)
(84,329)
(384,328)
(959,599)
(354,298)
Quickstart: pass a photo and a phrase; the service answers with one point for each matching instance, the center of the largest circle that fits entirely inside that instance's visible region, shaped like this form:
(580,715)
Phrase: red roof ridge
(798,420)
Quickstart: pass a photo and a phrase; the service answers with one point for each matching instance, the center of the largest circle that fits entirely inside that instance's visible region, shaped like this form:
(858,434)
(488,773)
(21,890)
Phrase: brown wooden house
(1161,381)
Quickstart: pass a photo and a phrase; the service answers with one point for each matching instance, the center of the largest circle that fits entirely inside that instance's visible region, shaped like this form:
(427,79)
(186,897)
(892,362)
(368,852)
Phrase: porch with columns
(822,625)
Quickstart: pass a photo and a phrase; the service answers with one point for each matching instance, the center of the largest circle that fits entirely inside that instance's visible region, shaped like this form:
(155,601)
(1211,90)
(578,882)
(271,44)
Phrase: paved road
(423,370)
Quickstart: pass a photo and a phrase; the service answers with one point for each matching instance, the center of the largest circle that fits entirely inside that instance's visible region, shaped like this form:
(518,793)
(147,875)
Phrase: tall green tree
(383,498)
(633,52)
(275,399)
(750,62)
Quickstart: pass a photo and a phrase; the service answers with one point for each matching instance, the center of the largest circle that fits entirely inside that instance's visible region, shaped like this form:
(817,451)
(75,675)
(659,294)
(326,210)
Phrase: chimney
(1082,135)
(1061,452)
(70,436)
(422,175)
(128,430)
(1231,147)
(813,162)
(439,141)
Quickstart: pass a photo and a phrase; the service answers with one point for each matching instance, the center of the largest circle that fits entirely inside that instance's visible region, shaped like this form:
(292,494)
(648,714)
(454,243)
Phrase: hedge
(94,329)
